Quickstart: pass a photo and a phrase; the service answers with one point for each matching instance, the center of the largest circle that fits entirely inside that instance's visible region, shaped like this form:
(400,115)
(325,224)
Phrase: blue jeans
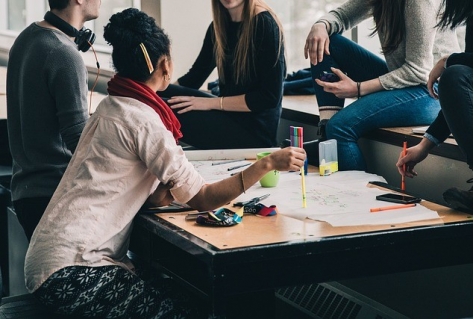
(410,106)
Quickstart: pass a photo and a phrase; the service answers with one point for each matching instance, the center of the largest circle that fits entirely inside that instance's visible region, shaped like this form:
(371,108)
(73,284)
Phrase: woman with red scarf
(128,154)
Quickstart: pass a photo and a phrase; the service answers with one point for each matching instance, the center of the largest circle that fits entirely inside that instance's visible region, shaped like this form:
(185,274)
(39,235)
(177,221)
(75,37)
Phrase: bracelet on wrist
(358,90)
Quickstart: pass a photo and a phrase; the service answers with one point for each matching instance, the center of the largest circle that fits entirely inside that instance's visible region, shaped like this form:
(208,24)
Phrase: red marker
(404,165)
(380,209)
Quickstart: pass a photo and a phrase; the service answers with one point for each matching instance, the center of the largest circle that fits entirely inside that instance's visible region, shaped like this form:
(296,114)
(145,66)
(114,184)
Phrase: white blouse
(124,152)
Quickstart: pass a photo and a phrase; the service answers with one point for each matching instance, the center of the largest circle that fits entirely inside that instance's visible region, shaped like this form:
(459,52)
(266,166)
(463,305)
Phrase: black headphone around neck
(84,38)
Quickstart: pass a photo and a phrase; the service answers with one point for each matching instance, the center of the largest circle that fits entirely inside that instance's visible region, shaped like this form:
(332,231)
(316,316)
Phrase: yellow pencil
(296,139)
(303,186)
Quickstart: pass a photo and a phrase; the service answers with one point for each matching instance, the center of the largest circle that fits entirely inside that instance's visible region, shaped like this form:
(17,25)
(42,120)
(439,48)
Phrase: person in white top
(127,154)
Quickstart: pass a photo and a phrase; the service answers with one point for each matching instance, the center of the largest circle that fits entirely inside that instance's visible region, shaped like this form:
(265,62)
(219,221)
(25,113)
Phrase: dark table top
(221,262)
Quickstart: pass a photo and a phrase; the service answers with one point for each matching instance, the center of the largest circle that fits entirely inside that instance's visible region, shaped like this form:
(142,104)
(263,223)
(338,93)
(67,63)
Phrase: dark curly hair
(125,31)
(58,4)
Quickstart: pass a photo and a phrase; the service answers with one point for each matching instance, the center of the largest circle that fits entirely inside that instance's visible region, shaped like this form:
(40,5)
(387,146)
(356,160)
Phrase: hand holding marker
(296,139)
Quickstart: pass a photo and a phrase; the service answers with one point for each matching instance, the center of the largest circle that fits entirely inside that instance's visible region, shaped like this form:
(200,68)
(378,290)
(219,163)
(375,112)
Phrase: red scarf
(121,86)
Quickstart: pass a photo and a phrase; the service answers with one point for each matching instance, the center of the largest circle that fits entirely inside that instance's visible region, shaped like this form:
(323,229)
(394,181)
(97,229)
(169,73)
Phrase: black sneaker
(312,152)
(459,199)
(321,133)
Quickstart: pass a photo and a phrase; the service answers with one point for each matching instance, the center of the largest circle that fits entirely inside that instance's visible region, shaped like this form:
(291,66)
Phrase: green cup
(271,178)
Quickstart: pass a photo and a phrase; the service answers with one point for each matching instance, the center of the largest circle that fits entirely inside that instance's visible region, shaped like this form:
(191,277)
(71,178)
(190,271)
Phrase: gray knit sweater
(411,63)
(46,108)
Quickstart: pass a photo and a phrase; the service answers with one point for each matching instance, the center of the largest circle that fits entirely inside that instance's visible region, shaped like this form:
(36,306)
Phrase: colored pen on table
(235,173)
(303,186)
(404,165)
(303,183)
(239,166)
(380,209)
(229,161)
(296,138)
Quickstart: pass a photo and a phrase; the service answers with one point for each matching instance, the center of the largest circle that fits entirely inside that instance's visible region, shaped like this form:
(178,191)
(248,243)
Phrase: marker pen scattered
(381,209)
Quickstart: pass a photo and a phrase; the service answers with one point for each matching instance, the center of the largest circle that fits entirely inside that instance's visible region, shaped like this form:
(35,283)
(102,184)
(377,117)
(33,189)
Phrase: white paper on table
(341,199)
(226,154)
(213,173)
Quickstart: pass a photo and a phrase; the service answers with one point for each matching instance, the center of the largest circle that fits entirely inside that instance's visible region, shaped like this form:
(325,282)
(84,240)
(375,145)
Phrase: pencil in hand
(402,187)
(296,138)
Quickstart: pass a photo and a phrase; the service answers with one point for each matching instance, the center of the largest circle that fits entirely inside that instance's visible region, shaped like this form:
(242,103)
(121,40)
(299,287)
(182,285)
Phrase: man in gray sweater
(46,103)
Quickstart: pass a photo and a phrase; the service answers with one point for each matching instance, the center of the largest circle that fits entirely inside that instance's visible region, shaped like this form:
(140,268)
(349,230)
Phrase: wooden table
(245,263)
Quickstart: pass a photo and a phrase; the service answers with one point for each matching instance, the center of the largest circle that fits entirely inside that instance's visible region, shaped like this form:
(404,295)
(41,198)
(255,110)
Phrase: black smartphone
(396,198)
(329,77)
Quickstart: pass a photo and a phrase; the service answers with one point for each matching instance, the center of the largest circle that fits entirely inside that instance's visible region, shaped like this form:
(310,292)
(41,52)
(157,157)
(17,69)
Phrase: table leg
(251,305)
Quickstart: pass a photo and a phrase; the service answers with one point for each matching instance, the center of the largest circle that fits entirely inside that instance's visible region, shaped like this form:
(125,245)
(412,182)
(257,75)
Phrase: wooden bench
(396,135)
(381,149)
(303,109)
(300,108)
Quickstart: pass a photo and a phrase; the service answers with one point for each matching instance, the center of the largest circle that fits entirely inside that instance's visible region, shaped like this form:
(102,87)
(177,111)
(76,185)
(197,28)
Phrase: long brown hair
(454,13)
(243,65)
(389,17)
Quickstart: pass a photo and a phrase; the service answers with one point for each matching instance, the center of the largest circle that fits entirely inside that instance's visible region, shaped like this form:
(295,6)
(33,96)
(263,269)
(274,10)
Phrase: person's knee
(329,130)
(336,39)
(455,79)
(339,130)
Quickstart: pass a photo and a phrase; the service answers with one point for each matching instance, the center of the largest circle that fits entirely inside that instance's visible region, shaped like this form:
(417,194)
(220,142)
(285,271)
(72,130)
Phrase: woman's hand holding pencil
(404,151)
(296,138)
(409,157)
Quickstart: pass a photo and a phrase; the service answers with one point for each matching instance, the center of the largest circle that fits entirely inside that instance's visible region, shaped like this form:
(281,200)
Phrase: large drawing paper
(341,199)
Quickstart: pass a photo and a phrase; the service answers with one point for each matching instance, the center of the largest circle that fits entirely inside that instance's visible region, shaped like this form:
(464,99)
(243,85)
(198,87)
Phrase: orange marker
(380,209)
(404,165)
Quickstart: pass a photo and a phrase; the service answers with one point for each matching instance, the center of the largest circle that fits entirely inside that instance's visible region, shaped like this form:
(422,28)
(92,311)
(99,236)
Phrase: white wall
(186,23)
(372,43)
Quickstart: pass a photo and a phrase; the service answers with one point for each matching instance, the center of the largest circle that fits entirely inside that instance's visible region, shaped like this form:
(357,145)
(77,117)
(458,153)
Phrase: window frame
(167,15)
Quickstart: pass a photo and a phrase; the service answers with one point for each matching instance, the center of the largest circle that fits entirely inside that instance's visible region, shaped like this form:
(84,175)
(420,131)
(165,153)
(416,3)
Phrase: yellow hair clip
(147,58)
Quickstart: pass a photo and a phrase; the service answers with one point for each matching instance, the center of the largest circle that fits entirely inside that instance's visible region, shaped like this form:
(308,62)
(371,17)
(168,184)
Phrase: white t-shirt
(124,152)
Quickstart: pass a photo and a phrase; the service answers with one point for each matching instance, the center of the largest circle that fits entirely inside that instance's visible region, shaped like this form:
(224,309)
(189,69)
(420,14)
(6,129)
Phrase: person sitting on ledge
(245,43)
(390,92)
(454,76)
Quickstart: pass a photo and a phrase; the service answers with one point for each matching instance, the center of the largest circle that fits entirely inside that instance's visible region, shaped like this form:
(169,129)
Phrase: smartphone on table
(398,198)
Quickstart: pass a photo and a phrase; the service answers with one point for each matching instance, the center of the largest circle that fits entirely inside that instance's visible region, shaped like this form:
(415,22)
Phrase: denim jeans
(455,96)
(410,106)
